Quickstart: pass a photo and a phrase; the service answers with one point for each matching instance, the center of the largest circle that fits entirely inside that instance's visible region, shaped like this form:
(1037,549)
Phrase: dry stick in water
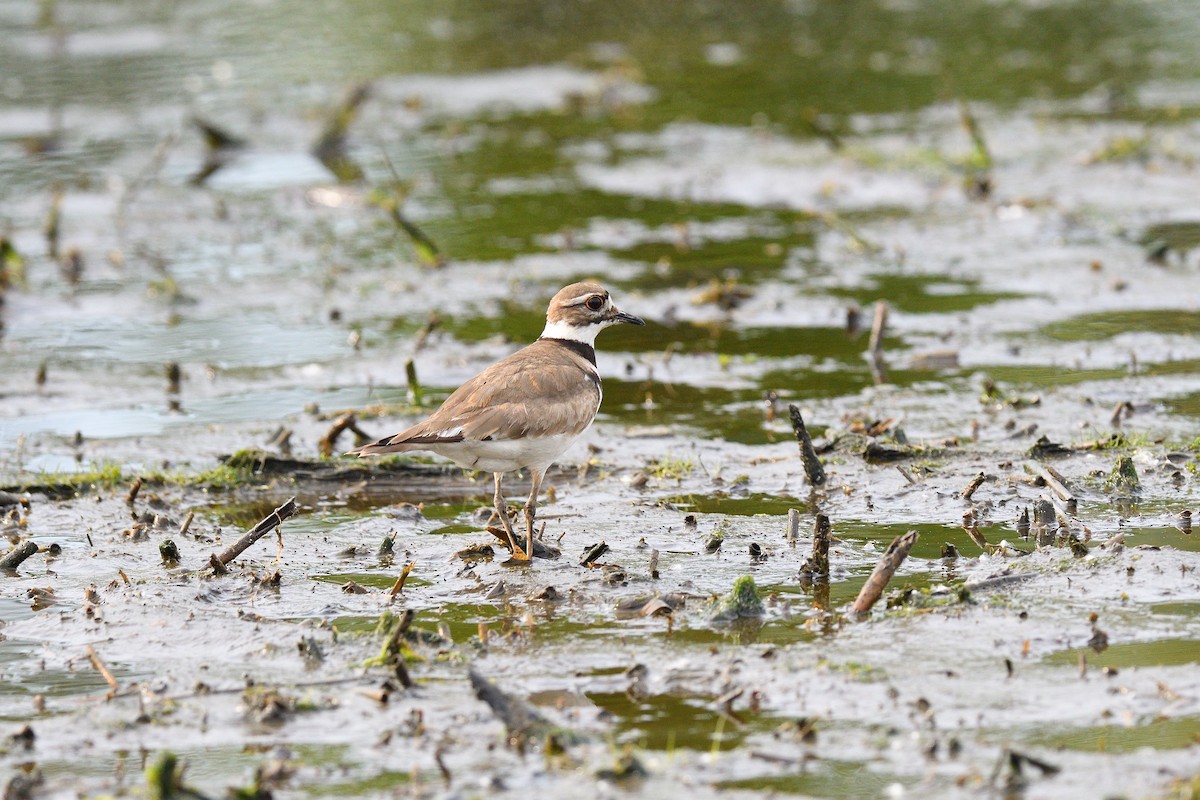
(812,464)
(975,483)
(398,586)
(971,526)
(14,557)
(878,326)
(109,678)
(793,528)
(875,347)
(1057,485)
(346,421)
(1045,522)
(273,520)
(892,558)
(819,562)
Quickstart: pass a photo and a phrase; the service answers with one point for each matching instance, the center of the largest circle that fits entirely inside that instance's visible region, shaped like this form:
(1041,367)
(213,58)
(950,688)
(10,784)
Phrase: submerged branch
(891,560)
(265,526)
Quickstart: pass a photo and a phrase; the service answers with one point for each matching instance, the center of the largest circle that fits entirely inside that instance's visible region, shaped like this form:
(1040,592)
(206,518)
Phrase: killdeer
(525,410)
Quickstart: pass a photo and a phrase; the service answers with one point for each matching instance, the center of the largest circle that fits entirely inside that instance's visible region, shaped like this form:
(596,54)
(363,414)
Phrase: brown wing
(540,390)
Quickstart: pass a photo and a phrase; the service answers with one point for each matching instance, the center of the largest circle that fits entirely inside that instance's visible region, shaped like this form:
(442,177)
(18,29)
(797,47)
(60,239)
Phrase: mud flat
(974,277)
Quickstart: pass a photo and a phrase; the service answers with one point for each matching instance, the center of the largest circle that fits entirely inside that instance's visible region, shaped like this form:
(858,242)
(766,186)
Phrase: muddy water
(751,180)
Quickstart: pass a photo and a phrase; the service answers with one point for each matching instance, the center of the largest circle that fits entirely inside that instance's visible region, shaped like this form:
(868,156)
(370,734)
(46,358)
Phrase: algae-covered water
(224,226)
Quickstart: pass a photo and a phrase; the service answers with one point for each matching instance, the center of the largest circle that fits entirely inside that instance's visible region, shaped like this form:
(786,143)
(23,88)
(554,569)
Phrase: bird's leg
(531,507)
(502,510)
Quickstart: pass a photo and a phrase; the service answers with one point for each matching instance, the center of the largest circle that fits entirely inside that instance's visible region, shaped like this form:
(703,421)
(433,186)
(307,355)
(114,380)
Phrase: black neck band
(582,348)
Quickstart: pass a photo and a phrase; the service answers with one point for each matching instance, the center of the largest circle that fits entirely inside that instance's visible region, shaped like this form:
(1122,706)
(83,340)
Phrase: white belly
(506,455)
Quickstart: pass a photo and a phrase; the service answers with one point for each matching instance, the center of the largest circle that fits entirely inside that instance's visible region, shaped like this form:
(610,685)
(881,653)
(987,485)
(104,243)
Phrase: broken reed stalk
(347,421)
(891,560)
(975,483)
(265,526)
(982,155)
(593,553)
(520,720)
(398,586)
(14,557)
(394,649)
(415,393)
(793,526)
(334,134)
(822,535)
(808,455)
(978,180)
(878,326)
(972,528)
(1058,485)
(815,571)
(426,249)
(109,678)
(1045,522)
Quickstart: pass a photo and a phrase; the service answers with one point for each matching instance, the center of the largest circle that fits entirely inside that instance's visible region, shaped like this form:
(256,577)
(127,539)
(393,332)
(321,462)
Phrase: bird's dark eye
(595,302)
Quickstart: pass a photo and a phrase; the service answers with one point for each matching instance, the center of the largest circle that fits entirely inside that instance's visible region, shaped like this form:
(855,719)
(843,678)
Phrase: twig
(975,483)
(822,536)
(271,521)
(398,586)
(14,557)
(415,393)
(793,526)
(812,464)
(330,148)
(814,573)
(878,326)
(1121,410)
(131,498)
(891,560)
(593,553)
(347,421)
(971,526)
(109,678)
(187,523)
(979,180)
(521,721)
(441,764)
(1056,483)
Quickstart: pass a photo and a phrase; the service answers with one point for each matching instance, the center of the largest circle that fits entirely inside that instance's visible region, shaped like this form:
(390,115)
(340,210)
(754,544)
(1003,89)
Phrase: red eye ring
(595,302)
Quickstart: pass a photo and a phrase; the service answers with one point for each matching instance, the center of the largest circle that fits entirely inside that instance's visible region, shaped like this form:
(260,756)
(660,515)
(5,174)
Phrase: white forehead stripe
(583,298)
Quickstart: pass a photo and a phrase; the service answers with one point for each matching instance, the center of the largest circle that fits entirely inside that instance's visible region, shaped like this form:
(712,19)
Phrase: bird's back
(548,388)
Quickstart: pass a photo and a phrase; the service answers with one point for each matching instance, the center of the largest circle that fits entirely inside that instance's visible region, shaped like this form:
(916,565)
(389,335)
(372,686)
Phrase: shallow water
(751,180)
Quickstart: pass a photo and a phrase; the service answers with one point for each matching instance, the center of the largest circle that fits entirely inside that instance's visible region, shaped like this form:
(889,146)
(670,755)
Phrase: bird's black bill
(621,316)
